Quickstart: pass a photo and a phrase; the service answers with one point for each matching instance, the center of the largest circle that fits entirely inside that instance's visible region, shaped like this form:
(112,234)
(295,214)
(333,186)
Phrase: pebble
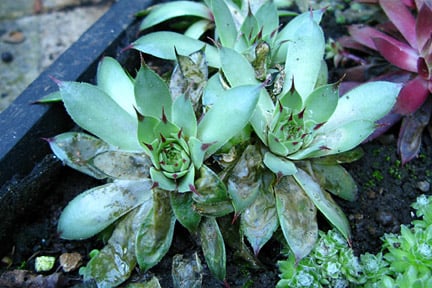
(13,37)
(7,57)
(385,218)
(423,186)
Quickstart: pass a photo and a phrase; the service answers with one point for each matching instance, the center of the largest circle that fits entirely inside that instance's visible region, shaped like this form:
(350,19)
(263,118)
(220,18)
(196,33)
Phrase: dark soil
(386,191)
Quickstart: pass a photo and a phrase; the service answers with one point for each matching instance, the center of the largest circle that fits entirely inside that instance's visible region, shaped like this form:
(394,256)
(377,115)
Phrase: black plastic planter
(23,124)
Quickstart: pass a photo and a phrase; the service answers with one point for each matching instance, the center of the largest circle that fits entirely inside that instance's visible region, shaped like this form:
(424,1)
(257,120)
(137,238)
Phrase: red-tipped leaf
(397,53)
(412,96)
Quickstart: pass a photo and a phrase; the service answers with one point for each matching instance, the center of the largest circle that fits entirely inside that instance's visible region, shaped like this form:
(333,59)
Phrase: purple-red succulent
(405,42)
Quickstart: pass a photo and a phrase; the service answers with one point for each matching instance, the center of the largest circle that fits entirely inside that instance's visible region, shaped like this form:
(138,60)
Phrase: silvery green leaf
(290,31)
(228,116)
(162,181)
(210,187)
(212,90)
(262,116)
(268,18)
(146,129)
(198,28)
(297,216)
(163,12)
(197,152)
(244,180)
(76,149)
(186,182)
(93,110)
(154,236)
(187,272)
(114,81)
(183,115)
(335,179)
(224,23)
(116,261)
(163,44)
(357,103)
(292,100)
(95,209)
(323,202)
(341,139)
(152,94)
(123,165)
(250,28)
(232,62)
(279,165)
(213,247)
(259,220)
(321,103)
(305,51)
(181,204)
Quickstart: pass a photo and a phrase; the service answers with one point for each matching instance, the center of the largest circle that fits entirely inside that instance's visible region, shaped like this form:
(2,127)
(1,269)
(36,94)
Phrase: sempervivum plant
(148,143)
(406,43)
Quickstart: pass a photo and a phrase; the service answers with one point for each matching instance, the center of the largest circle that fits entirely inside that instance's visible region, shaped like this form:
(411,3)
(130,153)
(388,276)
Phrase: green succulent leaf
(152,94)
(297,216)
(323,202)
(95,209)
(233,62)
(77,149)
(344,157)
(116,261)
(187,181)
(228,116)
(181,204)
(321,103)
(213,89)
(279,165)
(183,115)
(163,12)
(259,221)
(262,116)
(162,181)
(305,45)
(268,18)
(123,165)
(114,81)
(357,103)
(217,209)
(163,45)
(213,247)
(250,28)
(198,29)
(244,180)
(154,236)
(335,179)
(224,23)
(292,100)
(92,109)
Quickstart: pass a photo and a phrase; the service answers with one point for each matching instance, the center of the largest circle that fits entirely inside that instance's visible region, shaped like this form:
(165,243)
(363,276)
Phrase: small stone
(44,263)
(13,37)
(385,218)
(423,186)
(70,261)
(7,57)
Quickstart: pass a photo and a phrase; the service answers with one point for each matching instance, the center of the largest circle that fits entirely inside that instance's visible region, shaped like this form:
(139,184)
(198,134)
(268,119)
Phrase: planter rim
(23,124)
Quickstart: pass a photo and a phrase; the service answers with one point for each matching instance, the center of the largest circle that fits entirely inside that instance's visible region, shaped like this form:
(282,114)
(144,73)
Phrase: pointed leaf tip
(130,46)
(57,81)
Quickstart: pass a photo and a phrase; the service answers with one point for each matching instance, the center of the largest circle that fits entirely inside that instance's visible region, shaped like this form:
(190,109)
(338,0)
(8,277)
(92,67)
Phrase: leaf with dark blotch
(181,204)
(115,262)
(297,216)
(213,247)
(187,272)
(155,234)
(340,158)
(210,187)
(76,149)
(410,134)
(244,181)
(123,165)
(259,220)
(335,179)
(217,209)
(323,202)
